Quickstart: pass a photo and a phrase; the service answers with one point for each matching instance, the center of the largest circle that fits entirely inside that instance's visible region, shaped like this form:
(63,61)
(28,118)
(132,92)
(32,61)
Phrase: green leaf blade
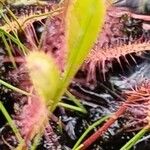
(83,23)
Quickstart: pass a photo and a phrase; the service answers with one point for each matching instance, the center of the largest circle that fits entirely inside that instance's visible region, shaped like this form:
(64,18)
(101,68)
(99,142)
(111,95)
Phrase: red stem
(104,128)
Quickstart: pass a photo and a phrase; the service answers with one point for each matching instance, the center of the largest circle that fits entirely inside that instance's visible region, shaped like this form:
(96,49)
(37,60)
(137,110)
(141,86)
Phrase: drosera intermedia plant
(81,31)
(49,83)
(141,98)
(114,47)
(40,102)
(136,98)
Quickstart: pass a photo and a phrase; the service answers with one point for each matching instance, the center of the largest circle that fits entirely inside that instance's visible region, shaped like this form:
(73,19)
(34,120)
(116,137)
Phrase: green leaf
(135,139)
(14,88)
(84,20)
(44,74)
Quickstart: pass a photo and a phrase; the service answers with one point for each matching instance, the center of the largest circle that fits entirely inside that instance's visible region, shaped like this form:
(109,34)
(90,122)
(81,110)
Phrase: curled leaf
(44,74)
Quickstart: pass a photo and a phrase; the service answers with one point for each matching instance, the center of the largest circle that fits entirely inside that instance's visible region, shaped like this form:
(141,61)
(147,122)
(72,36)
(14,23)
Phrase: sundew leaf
(44,74)
(84,19)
